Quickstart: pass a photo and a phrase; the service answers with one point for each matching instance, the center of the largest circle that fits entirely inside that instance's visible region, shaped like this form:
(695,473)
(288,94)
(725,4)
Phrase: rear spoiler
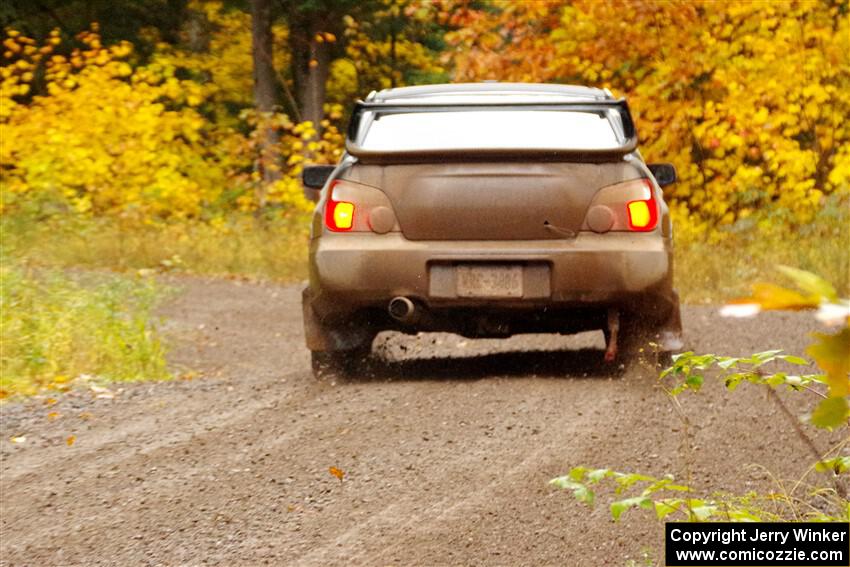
(377,109)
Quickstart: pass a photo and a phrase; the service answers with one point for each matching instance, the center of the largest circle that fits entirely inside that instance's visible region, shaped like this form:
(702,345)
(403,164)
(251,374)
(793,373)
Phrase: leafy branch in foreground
(803,500)
(670,500)
(688,370)
(830,351)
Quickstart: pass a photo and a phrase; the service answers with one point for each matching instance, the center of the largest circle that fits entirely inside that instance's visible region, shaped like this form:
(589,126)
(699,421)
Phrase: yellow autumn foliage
(144,142)
(107,138)
(384,63)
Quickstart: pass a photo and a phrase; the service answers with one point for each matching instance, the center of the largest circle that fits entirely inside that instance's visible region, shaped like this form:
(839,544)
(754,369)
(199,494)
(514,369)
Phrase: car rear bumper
(351,271)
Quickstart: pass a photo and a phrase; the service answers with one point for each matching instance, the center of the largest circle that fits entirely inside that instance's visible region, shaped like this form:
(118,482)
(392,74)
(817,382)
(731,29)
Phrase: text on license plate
(489,280)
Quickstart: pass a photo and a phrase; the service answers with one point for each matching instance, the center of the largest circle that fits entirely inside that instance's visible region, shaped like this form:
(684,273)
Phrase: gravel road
(446,451)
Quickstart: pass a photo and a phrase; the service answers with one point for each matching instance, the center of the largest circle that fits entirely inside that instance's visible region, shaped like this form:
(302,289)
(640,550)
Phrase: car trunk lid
(495,201)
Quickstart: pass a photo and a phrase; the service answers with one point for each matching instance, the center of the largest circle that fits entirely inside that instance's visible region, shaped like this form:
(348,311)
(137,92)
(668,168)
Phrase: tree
(314,26)
(265,96)
(398,44)
(120,19)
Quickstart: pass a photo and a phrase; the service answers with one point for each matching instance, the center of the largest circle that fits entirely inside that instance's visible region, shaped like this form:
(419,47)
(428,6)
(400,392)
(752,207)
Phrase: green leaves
(651,495)
(620,506)
(573,481)
(694,381)
(832,353)
(837,465)
(579,478)
(580,491)
(688,371)
(701,511)
(668,499)
(664,508)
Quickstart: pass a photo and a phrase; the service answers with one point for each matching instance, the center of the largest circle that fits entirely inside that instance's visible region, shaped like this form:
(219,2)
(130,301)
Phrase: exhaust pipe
(402,309)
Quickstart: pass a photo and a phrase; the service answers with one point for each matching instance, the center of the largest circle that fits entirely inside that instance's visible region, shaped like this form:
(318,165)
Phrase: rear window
(492,129)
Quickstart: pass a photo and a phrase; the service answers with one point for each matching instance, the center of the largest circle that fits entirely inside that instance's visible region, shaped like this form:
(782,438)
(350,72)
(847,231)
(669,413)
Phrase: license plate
(489,281)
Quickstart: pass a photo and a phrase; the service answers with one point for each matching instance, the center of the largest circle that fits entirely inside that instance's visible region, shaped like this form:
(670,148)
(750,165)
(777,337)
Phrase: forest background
(170,135)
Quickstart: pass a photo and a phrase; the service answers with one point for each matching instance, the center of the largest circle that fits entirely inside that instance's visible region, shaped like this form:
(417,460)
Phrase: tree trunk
(197,29)
(393,34)
(311,64)
(265,97)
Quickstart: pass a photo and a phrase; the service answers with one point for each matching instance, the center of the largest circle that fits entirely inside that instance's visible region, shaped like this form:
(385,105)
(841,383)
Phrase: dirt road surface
(446,450)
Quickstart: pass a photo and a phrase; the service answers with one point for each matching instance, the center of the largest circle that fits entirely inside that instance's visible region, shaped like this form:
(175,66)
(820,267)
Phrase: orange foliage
(748,99)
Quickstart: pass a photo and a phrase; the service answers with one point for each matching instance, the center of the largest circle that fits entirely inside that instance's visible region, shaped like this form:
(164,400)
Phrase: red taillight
(643,213)
(352,207)
(339,215)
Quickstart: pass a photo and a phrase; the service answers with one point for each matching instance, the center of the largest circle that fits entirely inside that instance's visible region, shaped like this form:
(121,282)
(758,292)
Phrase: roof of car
(467,91)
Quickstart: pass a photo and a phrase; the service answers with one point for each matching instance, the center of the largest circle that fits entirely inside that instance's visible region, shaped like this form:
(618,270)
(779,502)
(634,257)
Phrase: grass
(713,273)
(55,327)
(241,246)
(706,271)
(58,323)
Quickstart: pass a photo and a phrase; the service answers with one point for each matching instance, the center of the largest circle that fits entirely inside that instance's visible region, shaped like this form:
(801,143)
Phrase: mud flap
(338,336)
(669,335)
(666,335)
